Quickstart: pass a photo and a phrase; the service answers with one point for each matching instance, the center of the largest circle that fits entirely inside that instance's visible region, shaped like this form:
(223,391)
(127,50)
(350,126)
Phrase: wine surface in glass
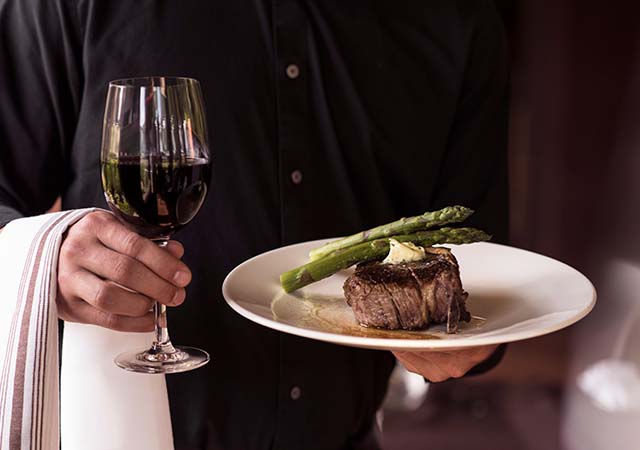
(155,197)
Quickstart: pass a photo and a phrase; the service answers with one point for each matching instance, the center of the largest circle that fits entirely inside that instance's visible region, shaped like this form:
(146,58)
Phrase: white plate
(513,295)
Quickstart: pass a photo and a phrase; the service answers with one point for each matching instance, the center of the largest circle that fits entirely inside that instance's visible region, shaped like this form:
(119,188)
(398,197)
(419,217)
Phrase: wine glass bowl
(155,167)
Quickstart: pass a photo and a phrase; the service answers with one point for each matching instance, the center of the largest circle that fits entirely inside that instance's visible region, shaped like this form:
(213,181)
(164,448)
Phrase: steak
(409,295)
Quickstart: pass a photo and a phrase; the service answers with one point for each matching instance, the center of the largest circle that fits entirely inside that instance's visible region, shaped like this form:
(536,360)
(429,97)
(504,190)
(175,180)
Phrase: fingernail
(177,297)
(181,278)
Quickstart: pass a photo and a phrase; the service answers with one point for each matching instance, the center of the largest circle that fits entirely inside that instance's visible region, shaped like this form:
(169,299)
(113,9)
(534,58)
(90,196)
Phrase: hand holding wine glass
(155,174)
(110,276)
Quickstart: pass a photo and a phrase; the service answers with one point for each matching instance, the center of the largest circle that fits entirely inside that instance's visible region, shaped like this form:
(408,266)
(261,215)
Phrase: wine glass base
(180,360)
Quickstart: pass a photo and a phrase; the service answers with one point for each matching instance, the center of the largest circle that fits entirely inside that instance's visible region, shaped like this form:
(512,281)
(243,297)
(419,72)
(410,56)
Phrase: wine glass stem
(162,342)
(162,334)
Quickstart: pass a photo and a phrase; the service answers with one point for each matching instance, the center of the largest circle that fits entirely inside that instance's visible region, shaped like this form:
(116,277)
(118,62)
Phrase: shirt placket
(293,114)
(290,26)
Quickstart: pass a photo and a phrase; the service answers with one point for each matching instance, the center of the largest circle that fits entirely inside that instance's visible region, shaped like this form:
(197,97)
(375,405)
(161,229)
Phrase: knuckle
(65,279)
(82,226)
(132,244)
(103,216)
(458,372)
(102,296)
(122,269)
(89,222)
(71,247)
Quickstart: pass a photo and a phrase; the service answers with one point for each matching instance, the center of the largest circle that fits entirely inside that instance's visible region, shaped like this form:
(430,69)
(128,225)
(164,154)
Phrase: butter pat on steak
(409,295)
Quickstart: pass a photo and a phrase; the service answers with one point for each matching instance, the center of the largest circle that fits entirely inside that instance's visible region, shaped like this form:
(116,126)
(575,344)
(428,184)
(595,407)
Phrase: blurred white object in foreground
(603,396)
(613,385)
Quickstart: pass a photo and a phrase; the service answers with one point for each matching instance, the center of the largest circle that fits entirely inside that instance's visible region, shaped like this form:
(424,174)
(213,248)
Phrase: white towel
(102,407)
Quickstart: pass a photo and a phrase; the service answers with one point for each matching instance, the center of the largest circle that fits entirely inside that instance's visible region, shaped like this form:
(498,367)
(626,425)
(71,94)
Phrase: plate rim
(392,343)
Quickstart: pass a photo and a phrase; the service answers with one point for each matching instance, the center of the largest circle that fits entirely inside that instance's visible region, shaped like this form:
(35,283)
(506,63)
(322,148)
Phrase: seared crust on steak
(409,295)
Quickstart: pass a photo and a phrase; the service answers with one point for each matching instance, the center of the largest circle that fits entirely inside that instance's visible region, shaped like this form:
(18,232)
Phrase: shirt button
(296,177)
(295,393)
(293,71)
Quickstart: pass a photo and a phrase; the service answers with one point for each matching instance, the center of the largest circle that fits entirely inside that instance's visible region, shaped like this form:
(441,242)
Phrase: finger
(429,369)
(131,274)
(444,368)
(484,352)
(415,364)
(83,312)
(465,357)
(175,248)
(117,237)
(455,363)
(406,362)
(413,359)
(474,354)
(108,296)
(452,364)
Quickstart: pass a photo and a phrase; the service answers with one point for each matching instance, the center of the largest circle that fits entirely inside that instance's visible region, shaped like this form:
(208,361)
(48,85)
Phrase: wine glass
(155,173)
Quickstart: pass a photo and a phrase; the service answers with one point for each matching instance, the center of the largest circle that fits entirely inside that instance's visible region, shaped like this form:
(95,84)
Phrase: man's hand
(110,276)
(441,365)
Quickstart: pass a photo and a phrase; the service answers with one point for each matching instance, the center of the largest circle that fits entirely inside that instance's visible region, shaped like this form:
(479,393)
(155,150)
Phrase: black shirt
(325,117)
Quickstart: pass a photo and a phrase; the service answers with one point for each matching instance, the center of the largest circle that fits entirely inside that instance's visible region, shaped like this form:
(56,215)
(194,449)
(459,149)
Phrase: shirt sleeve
(40,88)
(474,170)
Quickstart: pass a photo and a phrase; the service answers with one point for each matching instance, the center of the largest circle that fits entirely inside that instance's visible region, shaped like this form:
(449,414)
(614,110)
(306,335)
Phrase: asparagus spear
(346,257)
(406,225)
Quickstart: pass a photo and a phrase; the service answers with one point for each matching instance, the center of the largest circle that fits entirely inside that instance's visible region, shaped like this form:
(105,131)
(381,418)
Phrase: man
(325,118)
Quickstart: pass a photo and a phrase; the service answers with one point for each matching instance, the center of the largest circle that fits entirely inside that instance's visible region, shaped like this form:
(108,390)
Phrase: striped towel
(103,407)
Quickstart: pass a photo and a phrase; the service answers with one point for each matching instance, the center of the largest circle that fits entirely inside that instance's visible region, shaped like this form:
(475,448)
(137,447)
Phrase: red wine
(155,198)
